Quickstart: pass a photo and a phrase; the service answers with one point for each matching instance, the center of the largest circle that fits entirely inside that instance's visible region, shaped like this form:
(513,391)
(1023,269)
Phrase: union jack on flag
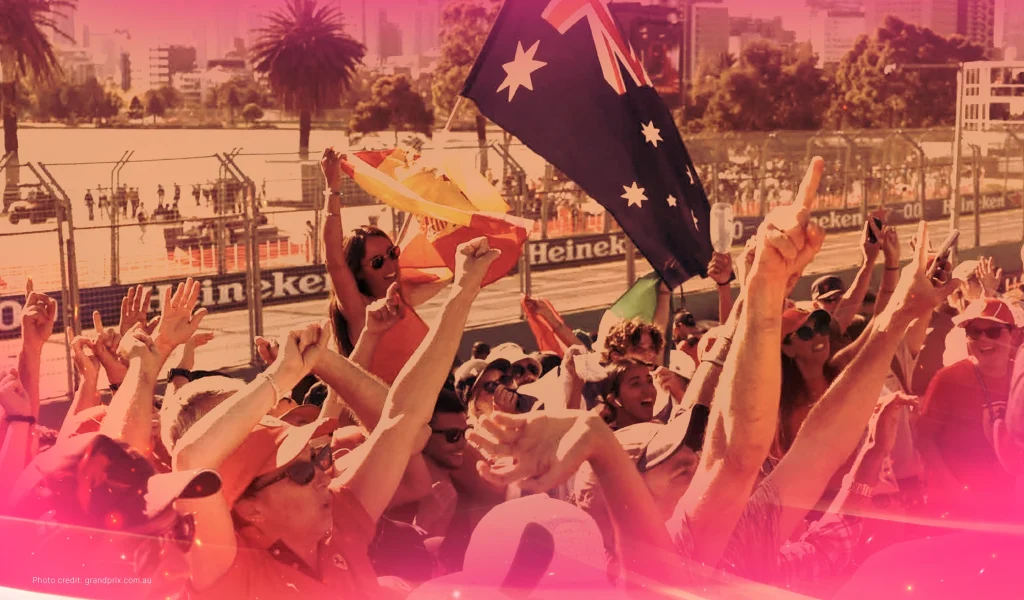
(561,76)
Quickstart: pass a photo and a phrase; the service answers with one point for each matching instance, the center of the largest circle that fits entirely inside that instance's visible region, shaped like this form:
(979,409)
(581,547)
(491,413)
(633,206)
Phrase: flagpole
(451,115)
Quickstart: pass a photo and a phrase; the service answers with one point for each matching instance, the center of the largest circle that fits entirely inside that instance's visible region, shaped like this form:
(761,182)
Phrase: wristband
(329,193)
(892,268)
(273,384)
(179,373)
(333,214)
(20,419)
(714,361)
(114,386)
(862,489)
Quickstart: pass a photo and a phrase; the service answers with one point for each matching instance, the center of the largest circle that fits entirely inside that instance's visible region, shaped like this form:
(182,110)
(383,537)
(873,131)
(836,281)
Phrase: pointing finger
(29,287)
(922,245)
(808,193)
(97,322)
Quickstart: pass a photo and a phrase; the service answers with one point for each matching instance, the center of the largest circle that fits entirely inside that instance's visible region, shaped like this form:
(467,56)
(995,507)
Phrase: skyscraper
(1009,29)
(834,32)
(390,37)
(426,26)
(976,20)
(938,15)
(64,23)
(709,34)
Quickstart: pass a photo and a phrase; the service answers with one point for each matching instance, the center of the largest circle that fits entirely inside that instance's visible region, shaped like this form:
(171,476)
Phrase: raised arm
(88,366)
(852,300)
(562,331)
(720,271)
(744,414)
(406,414)
(37,320)
(17,448)
(663,311)
(836,423)
(129,417)
(541,451)
(891,250)
(343,281)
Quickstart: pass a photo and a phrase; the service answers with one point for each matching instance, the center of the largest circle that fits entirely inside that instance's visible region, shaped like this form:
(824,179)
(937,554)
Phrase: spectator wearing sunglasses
(95,507)
(525,369)
(478,382)
(362,266)
(444,454)
(806,370)
(962,403)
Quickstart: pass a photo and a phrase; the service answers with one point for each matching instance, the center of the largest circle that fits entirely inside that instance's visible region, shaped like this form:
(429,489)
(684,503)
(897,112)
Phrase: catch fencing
(247,225)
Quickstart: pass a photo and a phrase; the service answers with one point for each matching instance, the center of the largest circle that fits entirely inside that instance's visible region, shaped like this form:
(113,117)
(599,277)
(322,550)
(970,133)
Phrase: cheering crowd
(827,446)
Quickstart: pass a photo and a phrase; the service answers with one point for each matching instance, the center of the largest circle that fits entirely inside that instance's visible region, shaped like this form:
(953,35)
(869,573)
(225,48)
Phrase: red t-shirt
(269,572)
(397,346)
(958,412)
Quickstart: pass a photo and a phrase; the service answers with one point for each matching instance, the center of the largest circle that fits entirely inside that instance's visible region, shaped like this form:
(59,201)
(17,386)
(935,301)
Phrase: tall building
(426,26)
(744,31)
(167,61)
(390,38)
(938,15)
(976,20)
(709,35)
(1009,29)
(834,33)
(655,34)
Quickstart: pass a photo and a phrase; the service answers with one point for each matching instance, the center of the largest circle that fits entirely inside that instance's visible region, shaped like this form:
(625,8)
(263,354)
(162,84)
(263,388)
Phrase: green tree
(308,59)
(876,84)
(155,106)
(171,97)
(769,88)
(25,51)
(135,108)
(252,113)
(394,105)
(464,28)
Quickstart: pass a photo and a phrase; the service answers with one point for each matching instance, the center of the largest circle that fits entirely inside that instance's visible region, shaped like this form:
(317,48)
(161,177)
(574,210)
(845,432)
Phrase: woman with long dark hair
(363,267)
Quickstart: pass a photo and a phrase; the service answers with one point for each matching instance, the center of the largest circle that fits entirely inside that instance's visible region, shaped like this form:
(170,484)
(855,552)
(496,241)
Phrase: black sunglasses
(377,262)
(993,333)
(453,435)
(519,370)
(808,331)
(302,472)
(492,386)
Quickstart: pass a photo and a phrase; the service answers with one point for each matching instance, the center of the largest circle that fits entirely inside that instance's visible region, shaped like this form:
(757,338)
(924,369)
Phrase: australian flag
(561,77)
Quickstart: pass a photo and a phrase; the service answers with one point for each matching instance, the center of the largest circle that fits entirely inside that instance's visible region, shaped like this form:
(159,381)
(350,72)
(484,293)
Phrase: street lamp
(958,128)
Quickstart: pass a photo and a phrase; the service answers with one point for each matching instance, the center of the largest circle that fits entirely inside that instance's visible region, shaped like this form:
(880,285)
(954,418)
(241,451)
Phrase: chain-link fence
(246,225)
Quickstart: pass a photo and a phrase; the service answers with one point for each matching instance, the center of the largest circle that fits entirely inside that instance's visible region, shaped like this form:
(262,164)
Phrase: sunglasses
(519,370)
(993,333)
(302,473)
(492,386)
(808,331)
(453,435)
(377,262)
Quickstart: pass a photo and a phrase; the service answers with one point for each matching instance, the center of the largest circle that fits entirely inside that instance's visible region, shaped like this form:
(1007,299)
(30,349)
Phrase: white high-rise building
(833,33)
(1009,29)
(709,34)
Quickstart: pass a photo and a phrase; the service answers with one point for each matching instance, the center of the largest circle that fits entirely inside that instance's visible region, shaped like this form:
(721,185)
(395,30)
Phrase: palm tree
(25,50)
(308,59)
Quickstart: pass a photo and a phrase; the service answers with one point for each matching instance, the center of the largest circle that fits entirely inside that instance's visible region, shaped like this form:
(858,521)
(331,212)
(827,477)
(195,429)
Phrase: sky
(164,20)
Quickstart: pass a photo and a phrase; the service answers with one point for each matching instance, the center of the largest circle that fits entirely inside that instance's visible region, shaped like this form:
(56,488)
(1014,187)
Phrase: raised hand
(37,318)
(870,249)
(299,352)
(884,424)
(385,313)
(720,268)
(569,362)
(83,352)
(135,307)
(746,260)
(178,323)
(989,274)
(14,400)
(472,260)
(891,246)
(105,348)
(671,382)
(138,345)
(787,240)
(916,293)
(268,349)
(538,450)
(330,164)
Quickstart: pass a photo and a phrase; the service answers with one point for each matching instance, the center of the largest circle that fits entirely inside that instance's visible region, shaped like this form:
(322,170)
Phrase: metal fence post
(114,208)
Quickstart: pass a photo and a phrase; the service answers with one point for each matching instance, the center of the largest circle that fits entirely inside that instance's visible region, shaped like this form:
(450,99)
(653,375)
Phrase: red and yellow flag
(452,202)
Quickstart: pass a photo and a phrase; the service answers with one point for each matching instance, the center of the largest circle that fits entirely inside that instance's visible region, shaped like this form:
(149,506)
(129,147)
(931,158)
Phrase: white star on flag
(520,71)
(689,174)
(671,201)
(651,133)
(635,195)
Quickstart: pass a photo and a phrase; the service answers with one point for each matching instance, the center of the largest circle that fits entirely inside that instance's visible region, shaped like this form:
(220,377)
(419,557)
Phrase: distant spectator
(480,350)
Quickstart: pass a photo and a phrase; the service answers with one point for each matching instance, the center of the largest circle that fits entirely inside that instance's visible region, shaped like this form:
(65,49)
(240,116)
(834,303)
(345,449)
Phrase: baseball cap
(681,363)
(94,481)
(827,287)
(514,354)
(965,270)
(468,374)
(304,414)
(532,547)
(987,309)
(794,318)
(271,445)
